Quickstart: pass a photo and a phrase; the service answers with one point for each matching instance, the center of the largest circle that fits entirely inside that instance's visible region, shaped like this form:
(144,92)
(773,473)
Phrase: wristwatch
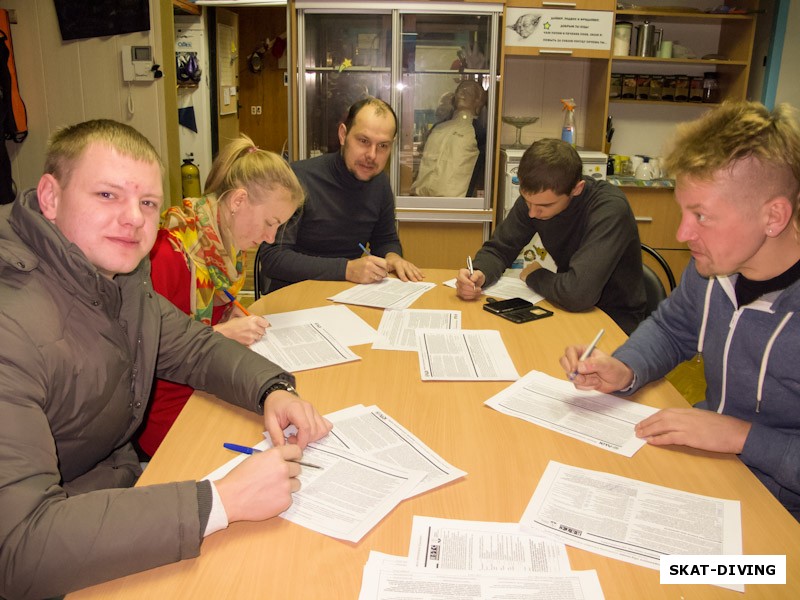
(279,384)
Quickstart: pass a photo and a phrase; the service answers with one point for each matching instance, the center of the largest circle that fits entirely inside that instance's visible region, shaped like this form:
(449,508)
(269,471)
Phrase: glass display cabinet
(436,64)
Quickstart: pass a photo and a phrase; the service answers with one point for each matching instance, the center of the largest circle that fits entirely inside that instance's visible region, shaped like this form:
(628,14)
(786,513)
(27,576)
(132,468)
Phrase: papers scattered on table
(474,559)
(387,580)
(630,520)
(464,354)
(397,330)
(505,288)
(345,325)
(302,347)
(370,431)
(482,546)
(599,419)
(350,494)
(388,293)
(369,464)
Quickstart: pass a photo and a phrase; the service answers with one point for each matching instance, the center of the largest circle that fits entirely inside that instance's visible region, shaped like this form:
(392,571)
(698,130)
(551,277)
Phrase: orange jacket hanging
(13,117)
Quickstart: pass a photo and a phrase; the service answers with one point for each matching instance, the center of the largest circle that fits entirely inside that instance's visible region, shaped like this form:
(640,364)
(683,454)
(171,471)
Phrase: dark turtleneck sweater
(340,212)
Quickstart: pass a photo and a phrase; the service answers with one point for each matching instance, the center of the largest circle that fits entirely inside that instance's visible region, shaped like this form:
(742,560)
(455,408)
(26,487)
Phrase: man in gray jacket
(82,335)
(737,176)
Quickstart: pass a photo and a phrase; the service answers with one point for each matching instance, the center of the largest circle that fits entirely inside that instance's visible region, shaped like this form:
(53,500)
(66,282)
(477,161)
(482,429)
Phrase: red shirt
(172,279)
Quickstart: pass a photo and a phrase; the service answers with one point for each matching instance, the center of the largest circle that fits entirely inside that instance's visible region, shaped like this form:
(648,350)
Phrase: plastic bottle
(568,133)
(190,178)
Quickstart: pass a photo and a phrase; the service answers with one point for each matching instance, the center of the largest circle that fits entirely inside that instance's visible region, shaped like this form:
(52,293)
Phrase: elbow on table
(575,303)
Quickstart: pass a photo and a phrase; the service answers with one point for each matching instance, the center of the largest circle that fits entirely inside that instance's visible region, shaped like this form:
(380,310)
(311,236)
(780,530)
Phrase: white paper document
(347,496)
(382,580)
(397,327)
(341,322)
(370,431)
(482,546)
(630,520)
(302,347)
(464,355)
(350,494)
(387,293)
(505,288)
(602,420)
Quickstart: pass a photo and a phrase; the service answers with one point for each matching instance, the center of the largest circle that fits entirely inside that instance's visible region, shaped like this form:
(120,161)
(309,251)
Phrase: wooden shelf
(186,8)
(669,14)
(679,61)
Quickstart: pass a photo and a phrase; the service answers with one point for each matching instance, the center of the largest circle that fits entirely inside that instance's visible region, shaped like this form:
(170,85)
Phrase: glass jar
(642,87)
(668,88)
(656,87)
(616,86)
(681,88)
(629,86)
(696,89)
(711,91)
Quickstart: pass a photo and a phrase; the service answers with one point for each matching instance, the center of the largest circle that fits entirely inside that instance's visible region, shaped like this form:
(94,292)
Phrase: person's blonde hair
(738,131)
(241,164)
(69,143)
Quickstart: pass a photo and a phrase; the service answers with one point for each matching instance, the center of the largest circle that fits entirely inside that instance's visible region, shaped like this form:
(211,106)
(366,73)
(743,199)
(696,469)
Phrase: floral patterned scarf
(194,230)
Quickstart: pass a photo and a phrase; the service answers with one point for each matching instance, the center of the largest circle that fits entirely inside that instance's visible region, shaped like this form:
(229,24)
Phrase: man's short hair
(379,106)
(737,131)
(68,144)
(549,164)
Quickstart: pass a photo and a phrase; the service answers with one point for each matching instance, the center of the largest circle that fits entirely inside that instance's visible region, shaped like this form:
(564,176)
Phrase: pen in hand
(249,450)
(236,303)
(588,352)
(364,249)
(471,270)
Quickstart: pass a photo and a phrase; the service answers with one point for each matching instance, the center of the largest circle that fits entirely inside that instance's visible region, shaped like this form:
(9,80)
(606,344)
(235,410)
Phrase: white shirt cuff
(630,387)
(218,519)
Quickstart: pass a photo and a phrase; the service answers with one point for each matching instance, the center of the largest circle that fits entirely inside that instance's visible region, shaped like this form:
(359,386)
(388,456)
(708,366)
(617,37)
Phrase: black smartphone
(504,306)
(517,310)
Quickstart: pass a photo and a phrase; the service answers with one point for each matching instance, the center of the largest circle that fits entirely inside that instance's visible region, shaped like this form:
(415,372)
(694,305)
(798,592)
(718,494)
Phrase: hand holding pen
(247,329)
(587,353)
(261,487)
(603,373)
(367,269)
(469,282)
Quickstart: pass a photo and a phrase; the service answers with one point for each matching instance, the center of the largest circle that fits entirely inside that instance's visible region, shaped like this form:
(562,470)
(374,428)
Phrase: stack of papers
(387,293)
(369,464)
(480,560)
(507,287)
(630,520)
(602,420)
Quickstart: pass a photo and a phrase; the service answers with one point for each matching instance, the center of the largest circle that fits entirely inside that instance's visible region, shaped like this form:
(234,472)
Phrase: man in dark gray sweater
(349,205)
(587,227)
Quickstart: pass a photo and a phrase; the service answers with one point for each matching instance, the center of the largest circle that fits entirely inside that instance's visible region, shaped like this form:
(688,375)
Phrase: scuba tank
(190,178)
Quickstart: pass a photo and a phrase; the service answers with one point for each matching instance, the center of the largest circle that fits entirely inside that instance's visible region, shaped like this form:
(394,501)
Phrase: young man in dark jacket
(82,335)
(587,227)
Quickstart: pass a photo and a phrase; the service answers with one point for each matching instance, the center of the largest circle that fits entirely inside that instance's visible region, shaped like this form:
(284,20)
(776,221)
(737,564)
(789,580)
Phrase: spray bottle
(568,133)
(190,178)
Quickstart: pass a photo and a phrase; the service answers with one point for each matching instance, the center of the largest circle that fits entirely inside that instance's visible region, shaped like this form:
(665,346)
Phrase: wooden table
(503,456)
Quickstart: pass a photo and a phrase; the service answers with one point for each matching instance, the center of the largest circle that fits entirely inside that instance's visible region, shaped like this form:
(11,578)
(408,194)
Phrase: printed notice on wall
(550,28)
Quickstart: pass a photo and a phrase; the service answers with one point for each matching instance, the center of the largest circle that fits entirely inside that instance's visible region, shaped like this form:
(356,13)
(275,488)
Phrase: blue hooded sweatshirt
(750,355)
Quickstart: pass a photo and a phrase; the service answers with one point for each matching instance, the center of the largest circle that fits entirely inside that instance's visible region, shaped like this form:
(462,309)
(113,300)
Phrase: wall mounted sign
(552,28)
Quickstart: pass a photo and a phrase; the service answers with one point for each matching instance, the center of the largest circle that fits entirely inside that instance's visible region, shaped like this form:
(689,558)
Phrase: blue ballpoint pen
(364,249)
(236,303)
(249,450)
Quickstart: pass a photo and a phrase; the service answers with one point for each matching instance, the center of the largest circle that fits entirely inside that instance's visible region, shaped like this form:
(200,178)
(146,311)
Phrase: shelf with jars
(712,49)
